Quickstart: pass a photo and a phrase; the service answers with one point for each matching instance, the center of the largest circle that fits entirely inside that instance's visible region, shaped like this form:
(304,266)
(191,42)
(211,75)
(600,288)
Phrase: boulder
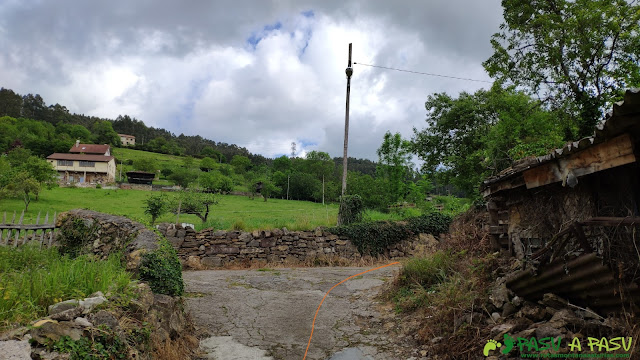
(499,295)
(53,331)
(193,263)
(63,306)
(546,331)
(103,317)
(15,349)
(68,315)
(553,301)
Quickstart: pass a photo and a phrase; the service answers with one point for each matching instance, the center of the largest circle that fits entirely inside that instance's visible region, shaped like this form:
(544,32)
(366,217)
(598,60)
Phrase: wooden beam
(615,152)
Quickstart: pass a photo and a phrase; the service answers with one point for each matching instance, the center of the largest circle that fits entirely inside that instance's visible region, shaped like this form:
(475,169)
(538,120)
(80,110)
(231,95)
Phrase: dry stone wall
(215,248)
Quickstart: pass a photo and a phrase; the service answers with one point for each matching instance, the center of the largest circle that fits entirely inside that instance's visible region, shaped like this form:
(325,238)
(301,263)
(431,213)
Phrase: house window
(87,164)
(65,162)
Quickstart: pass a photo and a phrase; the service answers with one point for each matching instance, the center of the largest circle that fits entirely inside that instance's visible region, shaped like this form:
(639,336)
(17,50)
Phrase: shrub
(351,210)
(162,270)
(375,237)
(75,234)
(426,272)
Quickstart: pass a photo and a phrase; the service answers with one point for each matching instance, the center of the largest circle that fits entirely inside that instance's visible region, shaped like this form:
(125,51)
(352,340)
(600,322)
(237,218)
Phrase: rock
(211,261)
(142,304)
(435,340)
(62,306)
(546,331)
(498,331)
(588,314)
(83,322)
(499,295)
(15,350)
(517,301)
(68,315)
(134,259)
(14,334)
(201,248)
(508,309)
(254,243)
(564,318)
(265,243)
(495,316)
(533,312)
(193,263)
(53,331)
(553,301)
(90,303)
(103,317)
(527,333)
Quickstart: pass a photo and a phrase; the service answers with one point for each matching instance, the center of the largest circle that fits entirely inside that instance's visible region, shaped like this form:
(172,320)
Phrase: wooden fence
(27,232)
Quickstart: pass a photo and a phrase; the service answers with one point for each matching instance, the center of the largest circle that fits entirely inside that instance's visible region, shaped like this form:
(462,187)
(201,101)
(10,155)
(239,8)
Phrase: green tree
(215,182)
(194,202)
(145,164)
(240,163)
(319,163)
(282,163)
(476,135)
(577,55)
(42,172)
(103,133)
(394,158)
(156,205)
(183,177)
(23,185)
(208,164)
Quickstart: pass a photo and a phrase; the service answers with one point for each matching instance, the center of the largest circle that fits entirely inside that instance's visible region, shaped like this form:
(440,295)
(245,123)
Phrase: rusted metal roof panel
(624,116)
(583,280)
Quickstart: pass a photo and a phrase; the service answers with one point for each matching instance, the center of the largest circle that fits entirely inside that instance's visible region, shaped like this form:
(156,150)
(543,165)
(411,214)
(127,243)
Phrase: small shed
(575,203)
(140,177)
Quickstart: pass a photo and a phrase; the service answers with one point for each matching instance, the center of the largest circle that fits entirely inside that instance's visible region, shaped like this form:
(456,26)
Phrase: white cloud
(198,70)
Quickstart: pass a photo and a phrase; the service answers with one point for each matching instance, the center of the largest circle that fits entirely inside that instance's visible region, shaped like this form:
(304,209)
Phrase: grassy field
(31,279)
(233,211)
(162,160)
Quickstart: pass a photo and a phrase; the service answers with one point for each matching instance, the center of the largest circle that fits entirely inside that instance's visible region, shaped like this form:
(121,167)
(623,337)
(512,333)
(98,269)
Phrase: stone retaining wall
(217,247)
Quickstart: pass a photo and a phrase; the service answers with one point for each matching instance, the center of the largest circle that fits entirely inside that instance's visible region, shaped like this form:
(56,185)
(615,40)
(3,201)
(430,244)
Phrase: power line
(423,73)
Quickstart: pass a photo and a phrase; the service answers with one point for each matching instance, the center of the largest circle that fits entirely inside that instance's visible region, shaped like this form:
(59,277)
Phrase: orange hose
(325,296)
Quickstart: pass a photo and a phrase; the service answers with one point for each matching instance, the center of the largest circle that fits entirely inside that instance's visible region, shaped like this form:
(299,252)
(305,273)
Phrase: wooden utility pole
(349,72)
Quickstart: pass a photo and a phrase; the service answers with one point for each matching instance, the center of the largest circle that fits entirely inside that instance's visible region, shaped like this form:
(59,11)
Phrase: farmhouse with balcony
(127,140)
(85,163)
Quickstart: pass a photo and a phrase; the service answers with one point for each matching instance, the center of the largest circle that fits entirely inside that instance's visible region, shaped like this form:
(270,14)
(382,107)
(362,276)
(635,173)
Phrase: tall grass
(31,279)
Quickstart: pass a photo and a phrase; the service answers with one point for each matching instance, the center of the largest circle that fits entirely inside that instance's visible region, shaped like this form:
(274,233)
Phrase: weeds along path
(267,314)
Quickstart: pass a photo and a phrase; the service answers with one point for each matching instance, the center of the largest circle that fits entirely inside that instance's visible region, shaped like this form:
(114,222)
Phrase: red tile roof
(125,135)
(80,157)
(89,149)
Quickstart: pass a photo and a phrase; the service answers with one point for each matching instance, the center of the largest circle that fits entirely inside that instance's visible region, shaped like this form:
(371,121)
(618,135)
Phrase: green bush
(427,272)
(74,235)
(351,209)
(162,270)
(375,237)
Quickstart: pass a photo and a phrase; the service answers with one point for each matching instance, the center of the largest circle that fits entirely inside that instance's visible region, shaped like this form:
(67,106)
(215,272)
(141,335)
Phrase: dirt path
(255,314)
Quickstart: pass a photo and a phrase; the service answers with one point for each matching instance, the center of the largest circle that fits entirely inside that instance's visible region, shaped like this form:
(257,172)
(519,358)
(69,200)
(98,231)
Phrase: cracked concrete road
(256,314)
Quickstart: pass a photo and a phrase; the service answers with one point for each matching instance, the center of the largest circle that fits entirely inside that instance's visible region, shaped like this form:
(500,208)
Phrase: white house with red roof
(85,163)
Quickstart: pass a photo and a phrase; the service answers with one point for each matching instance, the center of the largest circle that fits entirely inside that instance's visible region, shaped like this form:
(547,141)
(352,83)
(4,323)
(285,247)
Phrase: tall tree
(577,55)
(394,163)
(474,135)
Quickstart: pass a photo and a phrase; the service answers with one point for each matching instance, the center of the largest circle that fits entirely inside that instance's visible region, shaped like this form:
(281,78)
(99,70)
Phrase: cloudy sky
(260,73)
